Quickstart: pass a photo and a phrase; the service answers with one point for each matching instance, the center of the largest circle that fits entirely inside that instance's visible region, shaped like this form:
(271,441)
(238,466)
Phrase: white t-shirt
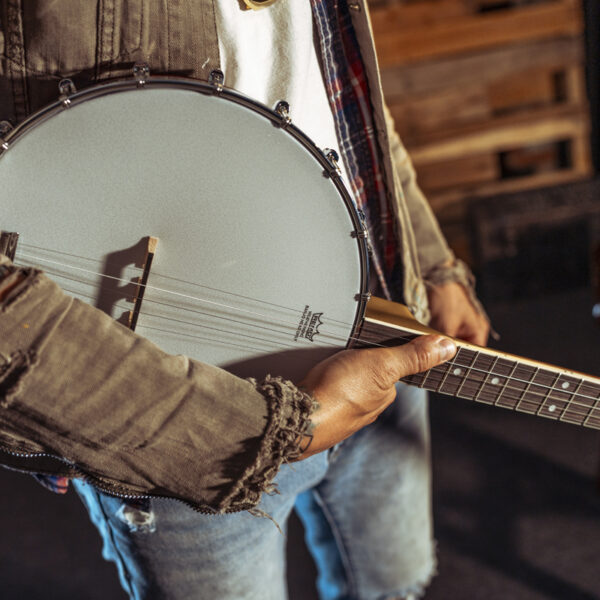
(270,55)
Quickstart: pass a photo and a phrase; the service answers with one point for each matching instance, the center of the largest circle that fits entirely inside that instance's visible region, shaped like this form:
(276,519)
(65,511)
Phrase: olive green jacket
(193,431)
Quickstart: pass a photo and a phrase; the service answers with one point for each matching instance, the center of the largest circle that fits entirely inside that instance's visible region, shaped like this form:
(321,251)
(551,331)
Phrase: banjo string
(286,329)
(156,274)
(292,326)
(182,295)
(439,370)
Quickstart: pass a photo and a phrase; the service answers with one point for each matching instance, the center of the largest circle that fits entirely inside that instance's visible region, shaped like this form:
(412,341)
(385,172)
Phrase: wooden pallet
(423,29)
(488,95)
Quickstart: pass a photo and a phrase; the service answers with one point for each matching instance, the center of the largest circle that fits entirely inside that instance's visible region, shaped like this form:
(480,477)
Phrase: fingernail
(447,348)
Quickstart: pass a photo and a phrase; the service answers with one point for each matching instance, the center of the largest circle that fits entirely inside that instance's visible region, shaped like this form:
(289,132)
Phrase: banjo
(214,227)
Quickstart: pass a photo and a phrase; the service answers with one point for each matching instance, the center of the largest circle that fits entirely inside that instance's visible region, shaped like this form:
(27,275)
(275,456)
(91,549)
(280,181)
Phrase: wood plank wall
(488,96)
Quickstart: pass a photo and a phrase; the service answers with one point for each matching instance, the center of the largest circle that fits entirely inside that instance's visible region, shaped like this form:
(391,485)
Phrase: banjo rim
(279,117)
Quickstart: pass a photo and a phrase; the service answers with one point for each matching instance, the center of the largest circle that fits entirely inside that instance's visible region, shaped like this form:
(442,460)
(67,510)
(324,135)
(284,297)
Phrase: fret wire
(585,389)
(484,380)
(548,393)
(491,372)
(506,382)
(469,369)
(594,424)
(443,380)
(415,378)
(569,401)
(593,408)
(494,363)
(425,376)
(527,387)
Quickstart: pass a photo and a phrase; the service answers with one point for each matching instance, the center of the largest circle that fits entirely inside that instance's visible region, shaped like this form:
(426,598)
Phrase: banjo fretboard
(499,379)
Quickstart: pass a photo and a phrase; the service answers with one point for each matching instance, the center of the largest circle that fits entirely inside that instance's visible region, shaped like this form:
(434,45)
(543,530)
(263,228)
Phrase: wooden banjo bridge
(8,247)
(8,243)
(152,243)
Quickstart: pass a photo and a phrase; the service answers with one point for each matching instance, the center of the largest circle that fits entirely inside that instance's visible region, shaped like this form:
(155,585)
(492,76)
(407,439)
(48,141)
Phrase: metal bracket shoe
(217,80)
(282,108)
(333,159)
(66,88)
(141,72)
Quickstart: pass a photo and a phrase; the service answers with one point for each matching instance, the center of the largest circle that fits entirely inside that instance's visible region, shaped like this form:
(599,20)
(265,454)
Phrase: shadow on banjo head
(240,258)
(291,364)
(113,269)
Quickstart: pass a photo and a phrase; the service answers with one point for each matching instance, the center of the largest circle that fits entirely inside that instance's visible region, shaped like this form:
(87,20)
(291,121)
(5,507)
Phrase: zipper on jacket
(99,484)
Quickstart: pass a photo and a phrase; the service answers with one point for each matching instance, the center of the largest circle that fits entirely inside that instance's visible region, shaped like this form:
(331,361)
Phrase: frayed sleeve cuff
(288,422)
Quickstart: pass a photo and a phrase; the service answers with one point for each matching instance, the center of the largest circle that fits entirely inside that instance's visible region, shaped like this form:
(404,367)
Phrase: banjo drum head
(258,265)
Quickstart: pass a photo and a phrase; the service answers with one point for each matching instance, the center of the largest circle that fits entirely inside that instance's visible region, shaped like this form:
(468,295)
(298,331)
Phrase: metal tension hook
(66,88)
(141,72)
(282,108)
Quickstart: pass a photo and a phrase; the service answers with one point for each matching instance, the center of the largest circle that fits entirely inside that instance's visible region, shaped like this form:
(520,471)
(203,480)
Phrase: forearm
(77,385)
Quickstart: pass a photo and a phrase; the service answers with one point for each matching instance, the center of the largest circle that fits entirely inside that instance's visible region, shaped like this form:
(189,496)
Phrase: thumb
(419,355)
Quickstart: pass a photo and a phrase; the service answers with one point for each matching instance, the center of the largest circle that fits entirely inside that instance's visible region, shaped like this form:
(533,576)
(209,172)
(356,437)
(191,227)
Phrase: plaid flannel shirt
(348,94)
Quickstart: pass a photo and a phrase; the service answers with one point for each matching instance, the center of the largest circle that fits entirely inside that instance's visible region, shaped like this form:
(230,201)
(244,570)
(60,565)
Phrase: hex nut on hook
(141,72)
(66,88)
(283,110)
(217,80)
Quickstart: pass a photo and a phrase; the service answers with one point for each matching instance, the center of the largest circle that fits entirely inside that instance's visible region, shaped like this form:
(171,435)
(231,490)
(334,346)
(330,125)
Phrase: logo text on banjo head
(309,323)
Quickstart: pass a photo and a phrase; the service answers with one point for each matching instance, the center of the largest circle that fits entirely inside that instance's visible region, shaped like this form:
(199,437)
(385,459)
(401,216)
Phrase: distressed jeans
(365,507)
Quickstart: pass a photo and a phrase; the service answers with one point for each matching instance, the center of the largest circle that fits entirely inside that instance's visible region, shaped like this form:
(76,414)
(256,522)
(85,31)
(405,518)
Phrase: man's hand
(354,386)
(453,314)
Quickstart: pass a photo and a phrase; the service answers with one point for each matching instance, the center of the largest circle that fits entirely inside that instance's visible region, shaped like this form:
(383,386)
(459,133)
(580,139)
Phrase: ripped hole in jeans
(138,516)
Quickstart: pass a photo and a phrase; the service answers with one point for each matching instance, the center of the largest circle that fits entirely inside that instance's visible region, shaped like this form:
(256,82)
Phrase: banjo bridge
(8,243)
(152,243)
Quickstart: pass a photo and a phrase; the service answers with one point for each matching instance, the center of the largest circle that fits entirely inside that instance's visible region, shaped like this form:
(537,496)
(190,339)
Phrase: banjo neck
(489,376)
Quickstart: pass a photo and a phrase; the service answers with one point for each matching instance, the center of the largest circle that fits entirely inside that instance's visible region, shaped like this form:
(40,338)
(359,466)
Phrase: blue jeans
(365,508)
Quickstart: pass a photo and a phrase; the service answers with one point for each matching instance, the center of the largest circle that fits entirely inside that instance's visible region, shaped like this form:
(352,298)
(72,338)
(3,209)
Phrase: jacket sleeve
(113,408)
(437,262)
(431,244)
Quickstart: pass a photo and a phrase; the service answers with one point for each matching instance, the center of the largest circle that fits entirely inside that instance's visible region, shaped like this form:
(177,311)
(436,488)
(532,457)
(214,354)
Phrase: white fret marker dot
(565,385)
(457,372)
(552,408)
(495,381)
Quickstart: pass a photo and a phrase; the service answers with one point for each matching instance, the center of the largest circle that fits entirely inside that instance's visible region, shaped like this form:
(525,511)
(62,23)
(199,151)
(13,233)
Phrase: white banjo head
(260,258)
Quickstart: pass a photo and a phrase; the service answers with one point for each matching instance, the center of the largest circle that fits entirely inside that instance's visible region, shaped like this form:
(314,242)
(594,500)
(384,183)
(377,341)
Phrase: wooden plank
(523,89)
(552,124)
(447,109)
(416,14)
(388,15)
(440,201)
(581,154)
(458,110)
(485,67)
(503,139)
(462,172)
(575,83)
(398,45)
(530,160)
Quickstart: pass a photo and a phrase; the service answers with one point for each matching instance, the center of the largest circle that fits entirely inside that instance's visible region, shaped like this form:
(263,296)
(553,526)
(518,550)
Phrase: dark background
(516,501)
(516,498)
